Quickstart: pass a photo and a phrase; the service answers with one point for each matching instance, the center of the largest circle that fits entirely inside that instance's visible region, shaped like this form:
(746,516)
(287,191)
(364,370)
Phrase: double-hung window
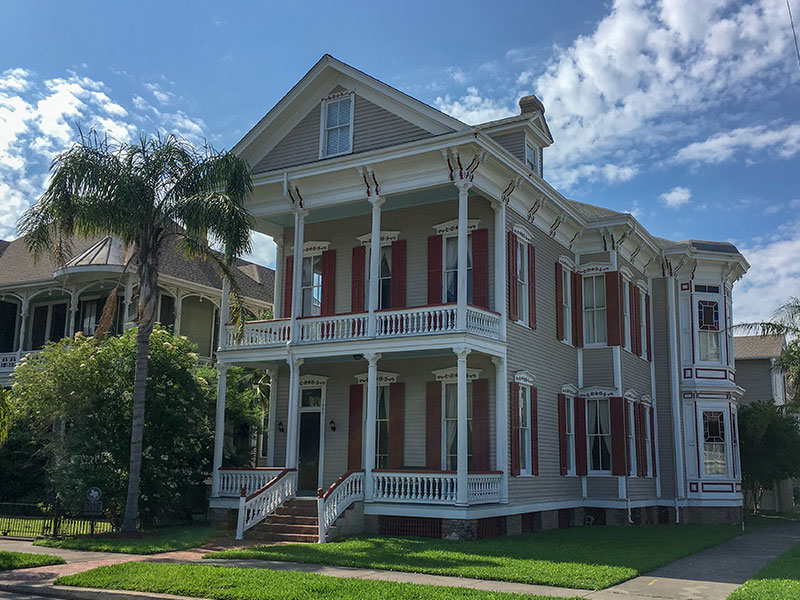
(532,157)
(384,278)
(648,441)
(566,303)
(598,429)
(521,281)
(524,405)
(382,428)
(337,126)
(450,426)
(626,311)
(714,460)
(569,433)
(643,323)
(312,285)
(708,334)
(594,309)
(450,271)
(631,431)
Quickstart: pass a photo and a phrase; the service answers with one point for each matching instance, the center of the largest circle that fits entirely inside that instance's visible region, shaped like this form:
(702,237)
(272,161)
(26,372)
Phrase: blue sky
(683,112)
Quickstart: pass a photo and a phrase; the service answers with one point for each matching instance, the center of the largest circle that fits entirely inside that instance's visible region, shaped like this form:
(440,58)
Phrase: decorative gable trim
(452,226)
(524,378)
(524,233)
(451,374)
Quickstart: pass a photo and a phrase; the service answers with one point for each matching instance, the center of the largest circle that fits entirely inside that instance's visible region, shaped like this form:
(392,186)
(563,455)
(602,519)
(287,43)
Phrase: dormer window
(532,157)
(337,125)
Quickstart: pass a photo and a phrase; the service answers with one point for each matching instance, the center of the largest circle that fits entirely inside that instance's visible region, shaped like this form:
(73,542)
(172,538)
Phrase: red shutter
(577,310)
(562,433)
(559,301)
(531,286)
(534,431)
(647,331)
(397,416)
(355,425)
(328,281)
(618,442)
(435,271)
(433,425)
(480,424)
(480,268)
(653,436)
(358,279)
(613,308)
(580,436)
(287,287)
(513,300)
(399,274)
(514,404)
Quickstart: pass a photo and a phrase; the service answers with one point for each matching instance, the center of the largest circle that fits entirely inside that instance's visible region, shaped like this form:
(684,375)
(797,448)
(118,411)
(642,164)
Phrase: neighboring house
(759,372)
(469,351)
(43,301)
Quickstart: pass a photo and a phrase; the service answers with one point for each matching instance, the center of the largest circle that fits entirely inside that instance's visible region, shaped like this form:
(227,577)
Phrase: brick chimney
(530,104)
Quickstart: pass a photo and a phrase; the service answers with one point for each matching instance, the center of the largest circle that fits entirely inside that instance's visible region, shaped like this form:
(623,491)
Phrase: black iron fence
(47,520)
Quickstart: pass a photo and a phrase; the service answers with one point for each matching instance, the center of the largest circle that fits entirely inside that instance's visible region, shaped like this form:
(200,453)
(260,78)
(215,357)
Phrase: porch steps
(295,521)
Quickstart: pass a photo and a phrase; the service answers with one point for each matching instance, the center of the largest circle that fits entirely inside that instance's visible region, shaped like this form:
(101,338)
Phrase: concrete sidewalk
(708,575)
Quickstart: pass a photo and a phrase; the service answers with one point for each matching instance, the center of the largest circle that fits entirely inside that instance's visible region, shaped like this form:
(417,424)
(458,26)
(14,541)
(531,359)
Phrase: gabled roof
(315,85)
(757,346)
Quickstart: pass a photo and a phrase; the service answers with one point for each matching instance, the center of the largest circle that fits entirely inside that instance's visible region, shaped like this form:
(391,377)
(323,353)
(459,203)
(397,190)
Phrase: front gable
(290,134)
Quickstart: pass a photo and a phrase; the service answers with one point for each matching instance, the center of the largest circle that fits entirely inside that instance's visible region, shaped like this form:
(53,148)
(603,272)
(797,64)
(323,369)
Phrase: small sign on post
(93,506)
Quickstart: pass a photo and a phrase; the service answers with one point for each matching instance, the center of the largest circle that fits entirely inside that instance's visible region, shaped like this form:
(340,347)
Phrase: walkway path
(708,575)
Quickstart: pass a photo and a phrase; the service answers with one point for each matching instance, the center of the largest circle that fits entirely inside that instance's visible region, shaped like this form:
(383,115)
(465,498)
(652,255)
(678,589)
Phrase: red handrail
(336,484)
(266,487)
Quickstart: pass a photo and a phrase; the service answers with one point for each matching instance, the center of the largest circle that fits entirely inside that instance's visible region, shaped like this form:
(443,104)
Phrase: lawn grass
(779,580)
(582,557)
(155,541)
(232,583)
(22,560)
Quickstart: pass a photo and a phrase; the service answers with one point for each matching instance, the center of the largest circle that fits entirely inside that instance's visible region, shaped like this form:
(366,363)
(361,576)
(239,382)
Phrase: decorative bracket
(538,204)
(556,224)
(370,181)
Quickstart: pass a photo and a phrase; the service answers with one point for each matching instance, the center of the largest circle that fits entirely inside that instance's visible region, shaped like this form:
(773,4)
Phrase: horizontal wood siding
(598,367)
(635,373)
(600,257)
(663,391)
(755,376)
(514,142)
(602,488)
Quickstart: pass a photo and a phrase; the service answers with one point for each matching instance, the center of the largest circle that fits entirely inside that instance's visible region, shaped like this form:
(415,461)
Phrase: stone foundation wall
(460,529)
(350,522)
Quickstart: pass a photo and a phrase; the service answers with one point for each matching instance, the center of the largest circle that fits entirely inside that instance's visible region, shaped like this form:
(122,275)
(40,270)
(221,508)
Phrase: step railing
(257,506)
(425,487)
(232,480)
(347,489)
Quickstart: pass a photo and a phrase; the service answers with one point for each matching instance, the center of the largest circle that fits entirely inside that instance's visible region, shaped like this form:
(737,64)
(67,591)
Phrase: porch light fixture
(280,426)
(358,356)
(332,425)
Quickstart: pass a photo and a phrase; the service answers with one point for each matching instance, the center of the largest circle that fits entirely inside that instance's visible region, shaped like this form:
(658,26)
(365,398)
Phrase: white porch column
(280,277)
(297,269)
(374,262)
(501,424)
(23,321)
(224,314)
(73,309)
(126,301)
(372,409)
(293,419)
(176,328)
(271,418)
(219,431)
(463,195)
(500,261)
(462,498)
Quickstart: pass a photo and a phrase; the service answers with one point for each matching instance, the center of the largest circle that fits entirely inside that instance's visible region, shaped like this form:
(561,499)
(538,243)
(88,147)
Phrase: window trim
(323,120)
(523,299)
(524,395)
(594,344)
(719,298)
(723,408)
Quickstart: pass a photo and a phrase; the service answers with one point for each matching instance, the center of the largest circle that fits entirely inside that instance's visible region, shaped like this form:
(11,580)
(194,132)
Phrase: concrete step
(300,538)
(272,527)
(292,519)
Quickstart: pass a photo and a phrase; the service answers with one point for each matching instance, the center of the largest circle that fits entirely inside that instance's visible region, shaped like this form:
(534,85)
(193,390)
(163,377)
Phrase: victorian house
(458,349)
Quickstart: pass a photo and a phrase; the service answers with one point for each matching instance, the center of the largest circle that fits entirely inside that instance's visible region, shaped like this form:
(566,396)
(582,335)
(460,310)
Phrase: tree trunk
(148,293)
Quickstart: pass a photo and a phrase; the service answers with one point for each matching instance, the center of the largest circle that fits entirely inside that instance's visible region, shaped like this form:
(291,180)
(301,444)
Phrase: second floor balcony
(405,322)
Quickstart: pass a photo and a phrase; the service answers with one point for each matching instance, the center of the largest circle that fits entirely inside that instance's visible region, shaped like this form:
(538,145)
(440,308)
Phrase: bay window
(594,309)
(708,330)
(714,459)
(598,429)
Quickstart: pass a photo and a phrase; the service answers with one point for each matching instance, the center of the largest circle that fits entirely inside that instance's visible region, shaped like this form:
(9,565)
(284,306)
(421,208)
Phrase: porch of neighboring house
(409,433)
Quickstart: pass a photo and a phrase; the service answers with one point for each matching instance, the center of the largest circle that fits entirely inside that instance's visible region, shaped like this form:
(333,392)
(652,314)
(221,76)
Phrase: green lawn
(582,557)
(166,539)
(22,560)
(779,580)
(231,583)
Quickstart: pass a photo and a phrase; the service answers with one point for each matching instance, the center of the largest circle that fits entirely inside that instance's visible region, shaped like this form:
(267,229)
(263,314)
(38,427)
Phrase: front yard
(229,583)
(23,560)
(584,557)
(779,580)
(155,541)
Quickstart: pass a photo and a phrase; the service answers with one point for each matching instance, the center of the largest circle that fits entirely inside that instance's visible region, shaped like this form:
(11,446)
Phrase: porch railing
(8,360)
(256,507)
(483,488)
(423,320)
(434,487)
(347,489)
(232,480)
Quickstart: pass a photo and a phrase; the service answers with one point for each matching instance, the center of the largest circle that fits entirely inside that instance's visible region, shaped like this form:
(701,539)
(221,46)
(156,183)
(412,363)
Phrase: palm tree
(144,193)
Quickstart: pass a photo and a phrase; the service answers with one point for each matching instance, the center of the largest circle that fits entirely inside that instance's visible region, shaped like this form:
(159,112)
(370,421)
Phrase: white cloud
(676,197)
(721,147)
(15,80)
(264,250)
(472,108)
(774,275)
(159,93)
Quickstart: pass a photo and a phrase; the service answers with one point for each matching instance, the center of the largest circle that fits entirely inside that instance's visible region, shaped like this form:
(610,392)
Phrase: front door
(308,457)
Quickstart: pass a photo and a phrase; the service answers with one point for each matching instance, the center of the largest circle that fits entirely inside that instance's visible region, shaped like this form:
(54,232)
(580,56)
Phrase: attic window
(336,134)
(532,157)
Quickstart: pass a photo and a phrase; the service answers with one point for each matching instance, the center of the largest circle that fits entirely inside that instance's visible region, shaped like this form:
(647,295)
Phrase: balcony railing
(9,360)
(405,322)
